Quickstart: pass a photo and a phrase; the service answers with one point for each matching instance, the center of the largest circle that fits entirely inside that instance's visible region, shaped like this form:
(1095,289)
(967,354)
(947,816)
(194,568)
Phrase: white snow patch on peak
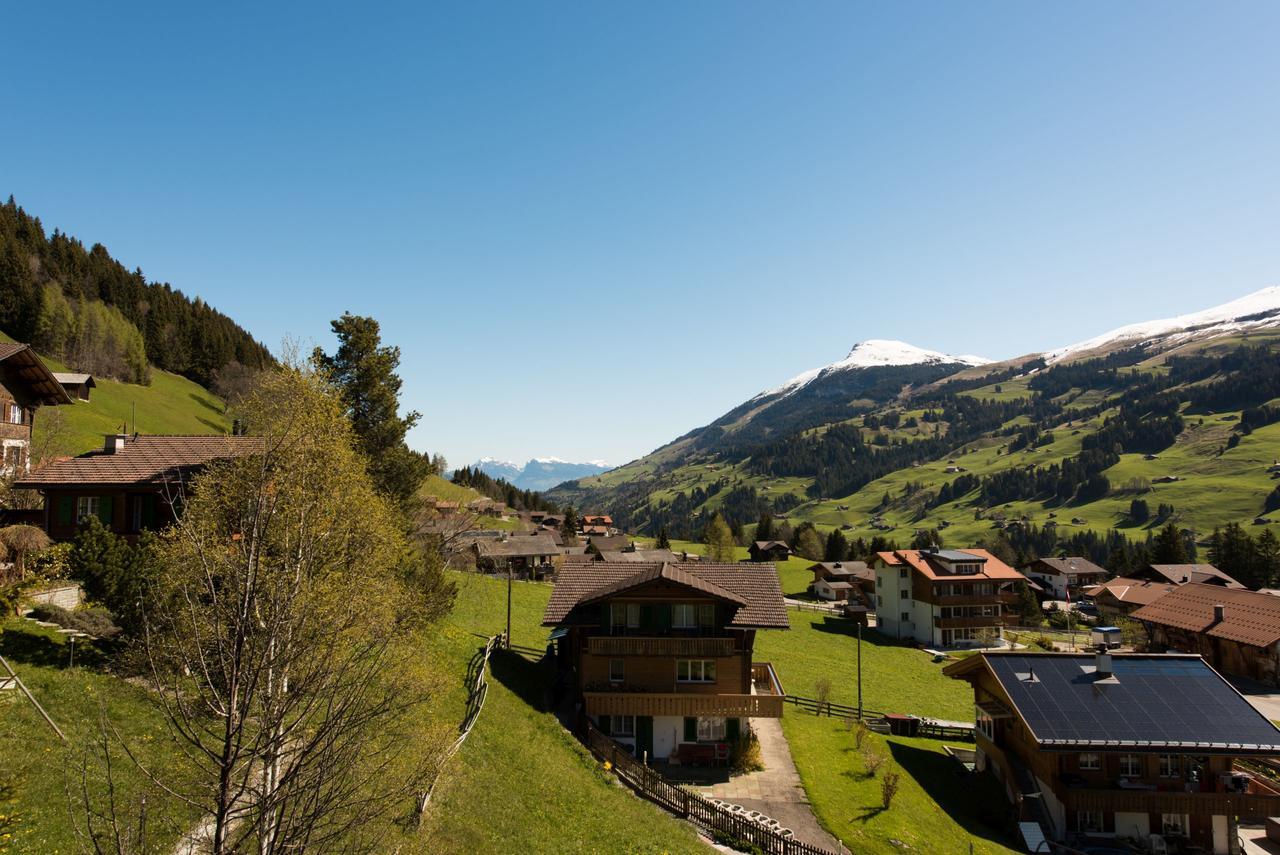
(1225,318)
(603,463)
(548,460)
(875,353)
(499,462)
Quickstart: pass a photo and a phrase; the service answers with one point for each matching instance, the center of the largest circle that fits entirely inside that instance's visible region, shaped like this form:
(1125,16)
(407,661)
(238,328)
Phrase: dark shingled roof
(1153,703)
(1072,566)
(517,547)
(1249,617)
(150,460)
(27,366)
(1178,573)
(754,587)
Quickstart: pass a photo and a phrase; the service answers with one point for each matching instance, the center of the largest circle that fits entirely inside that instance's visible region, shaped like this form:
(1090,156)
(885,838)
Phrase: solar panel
(1152,699)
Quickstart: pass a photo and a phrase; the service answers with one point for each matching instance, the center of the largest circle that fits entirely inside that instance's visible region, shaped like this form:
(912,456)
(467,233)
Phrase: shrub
(746,756)
(872,760)
(860,734)
(1044,642)
(889,787)
(822,693)
(724,838)
(95,621)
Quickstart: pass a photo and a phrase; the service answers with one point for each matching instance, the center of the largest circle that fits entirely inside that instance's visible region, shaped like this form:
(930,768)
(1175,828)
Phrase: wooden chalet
(769,550)
(661,654)
(26,384)
(1235,630)
(1066,576)
(76,385)
(1100,748)
(1122,596)
(944,597)
(131,485)
(844,581)
(529,555)
(1181,574)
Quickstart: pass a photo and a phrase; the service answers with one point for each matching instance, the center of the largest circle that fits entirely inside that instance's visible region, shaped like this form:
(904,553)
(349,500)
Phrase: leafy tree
(926,538)
(663,542)
(809,543)
(719,541)
(114,573)
(1139,511)
(1169,546)
(365,373)
(837,548)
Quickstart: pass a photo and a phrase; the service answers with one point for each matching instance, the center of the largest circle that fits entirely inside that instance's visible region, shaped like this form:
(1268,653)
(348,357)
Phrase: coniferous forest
(86,308)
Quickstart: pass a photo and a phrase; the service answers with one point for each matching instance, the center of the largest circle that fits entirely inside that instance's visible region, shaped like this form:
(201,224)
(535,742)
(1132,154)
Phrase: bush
(724,838)
(95,620)
(872,760)
(746,756)
(889,787)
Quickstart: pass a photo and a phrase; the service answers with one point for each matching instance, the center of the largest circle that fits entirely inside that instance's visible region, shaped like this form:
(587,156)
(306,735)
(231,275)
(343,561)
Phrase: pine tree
(764,528)
(569,528)
(365,373)
(663,541)
(837,548)
(1169,547)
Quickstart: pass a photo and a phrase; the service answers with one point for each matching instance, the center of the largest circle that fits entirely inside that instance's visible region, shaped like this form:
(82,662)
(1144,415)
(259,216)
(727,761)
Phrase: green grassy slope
(170,405)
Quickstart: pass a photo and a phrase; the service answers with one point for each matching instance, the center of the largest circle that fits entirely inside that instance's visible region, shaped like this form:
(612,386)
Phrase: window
(1130,765)
(695,671)
(633,615)
(707,614)
(1173,823)
(1170,766)
(617,618)
(902,572)
(906,594)
(906,616)
(710,729)
(684,616)
(986,724)
(622,725)
(15,414)
(617,670)
(1090,761)
(86,506)
(1089,820)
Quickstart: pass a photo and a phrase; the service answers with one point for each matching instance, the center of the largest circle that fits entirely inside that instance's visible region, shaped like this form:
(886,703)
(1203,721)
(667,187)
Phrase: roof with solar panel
(1145,702)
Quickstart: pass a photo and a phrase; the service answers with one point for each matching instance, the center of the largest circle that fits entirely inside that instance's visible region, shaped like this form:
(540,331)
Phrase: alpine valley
(1173,420)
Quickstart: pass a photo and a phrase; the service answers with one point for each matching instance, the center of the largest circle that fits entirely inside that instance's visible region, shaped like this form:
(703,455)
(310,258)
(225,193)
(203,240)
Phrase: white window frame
(695,670)
(1170,766)
(1173,823)
(906,617)
(1131,765)
(986,724)
(1090,761)
(905,594)
(622,725)
(621,672)
(711,729)
(86,507)
(684,616)
(633,615)
(1089,821)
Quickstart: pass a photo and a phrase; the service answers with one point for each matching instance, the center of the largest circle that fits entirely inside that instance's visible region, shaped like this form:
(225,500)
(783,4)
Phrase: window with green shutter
(66,510)
(732,729)
(105,503)
(690,729)
(604,725)
(149,511)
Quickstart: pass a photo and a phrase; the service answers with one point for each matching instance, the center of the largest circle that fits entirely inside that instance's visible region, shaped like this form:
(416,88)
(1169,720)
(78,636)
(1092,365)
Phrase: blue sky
(592,227)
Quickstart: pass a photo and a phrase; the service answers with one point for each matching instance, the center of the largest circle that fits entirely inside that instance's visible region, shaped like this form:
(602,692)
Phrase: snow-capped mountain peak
(1261,308)
(540,473)
(875,353)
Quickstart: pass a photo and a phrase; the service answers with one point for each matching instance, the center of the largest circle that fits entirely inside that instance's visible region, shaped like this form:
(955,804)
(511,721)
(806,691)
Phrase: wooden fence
(933,728)
(713,818)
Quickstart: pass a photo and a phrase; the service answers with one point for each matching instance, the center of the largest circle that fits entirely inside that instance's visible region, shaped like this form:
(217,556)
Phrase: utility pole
(859,671)
(508,604)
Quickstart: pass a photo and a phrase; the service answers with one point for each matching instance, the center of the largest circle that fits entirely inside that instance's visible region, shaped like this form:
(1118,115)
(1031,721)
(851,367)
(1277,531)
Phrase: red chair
(722,753)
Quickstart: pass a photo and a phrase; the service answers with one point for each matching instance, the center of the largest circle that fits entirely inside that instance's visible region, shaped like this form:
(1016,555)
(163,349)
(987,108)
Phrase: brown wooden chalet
(1098,747)
(1181,574)
(25,385)
(1235,630)
(1060,577)
(1122,596)
(769,550)
(76,384)
(844,581)
(131,485)
(661,654)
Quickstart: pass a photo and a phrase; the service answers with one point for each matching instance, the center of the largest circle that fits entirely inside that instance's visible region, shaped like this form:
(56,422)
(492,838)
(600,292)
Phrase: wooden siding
(729,706)
(658,674)
(704,648)
(1202,804)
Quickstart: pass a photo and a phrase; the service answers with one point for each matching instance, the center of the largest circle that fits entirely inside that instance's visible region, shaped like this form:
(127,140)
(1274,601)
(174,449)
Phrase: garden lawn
(895,678)
(43,770)
(938,809)
(521,783)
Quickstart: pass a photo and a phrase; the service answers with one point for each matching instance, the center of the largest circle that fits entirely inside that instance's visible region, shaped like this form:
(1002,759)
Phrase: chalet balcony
(974,622)
(765,701)
(620,645)
(1152,801)
(976,599)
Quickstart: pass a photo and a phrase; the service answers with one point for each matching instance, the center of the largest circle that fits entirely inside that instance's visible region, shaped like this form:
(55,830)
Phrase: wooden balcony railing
(653,703)
(606,645)
(1149,801)
(764,680)
(975,599)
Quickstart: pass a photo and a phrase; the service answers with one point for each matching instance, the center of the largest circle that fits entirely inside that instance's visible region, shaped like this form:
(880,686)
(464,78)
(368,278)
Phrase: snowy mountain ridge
(875,353)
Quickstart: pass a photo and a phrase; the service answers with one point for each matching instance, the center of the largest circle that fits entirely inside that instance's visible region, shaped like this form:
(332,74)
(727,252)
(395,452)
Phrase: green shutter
(664,618)
(731,729)
(604,725)
(105,504)
(148,511)
(647,619)
(66,510)
(690,729)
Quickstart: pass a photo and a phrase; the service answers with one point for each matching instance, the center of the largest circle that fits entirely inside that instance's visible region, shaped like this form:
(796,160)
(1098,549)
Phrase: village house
(1180,574)
(609,543)
(76,385)
(844,581)
(769,550)
(944,597)
(1143,747)
(25,385)
(131,485)
(1122,596)
(603,520)
(661,654)
(1062,576)
(1237,631)
(521,555)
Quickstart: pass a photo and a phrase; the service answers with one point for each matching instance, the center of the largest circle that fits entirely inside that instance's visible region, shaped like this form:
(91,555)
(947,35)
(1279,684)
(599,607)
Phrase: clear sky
(591,227)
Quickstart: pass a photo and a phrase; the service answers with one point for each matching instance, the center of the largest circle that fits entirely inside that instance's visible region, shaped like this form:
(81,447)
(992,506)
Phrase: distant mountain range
(1186,409)
(540,473)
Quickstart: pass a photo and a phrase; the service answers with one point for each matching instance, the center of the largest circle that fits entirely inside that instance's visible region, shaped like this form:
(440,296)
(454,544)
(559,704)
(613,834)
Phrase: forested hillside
(87,309)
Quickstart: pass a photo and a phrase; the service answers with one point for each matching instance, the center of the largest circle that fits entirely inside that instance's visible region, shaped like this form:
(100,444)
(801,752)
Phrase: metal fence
(647,782)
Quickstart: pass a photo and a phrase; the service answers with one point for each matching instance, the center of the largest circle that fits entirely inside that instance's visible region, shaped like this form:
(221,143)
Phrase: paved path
(1265,699)
(776,791)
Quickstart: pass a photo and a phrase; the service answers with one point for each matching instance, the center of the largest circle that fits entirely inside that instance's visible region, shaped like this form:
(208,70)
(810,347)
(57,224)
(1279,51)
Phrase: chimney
(115,442)
(1219,614)
(1102,665)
